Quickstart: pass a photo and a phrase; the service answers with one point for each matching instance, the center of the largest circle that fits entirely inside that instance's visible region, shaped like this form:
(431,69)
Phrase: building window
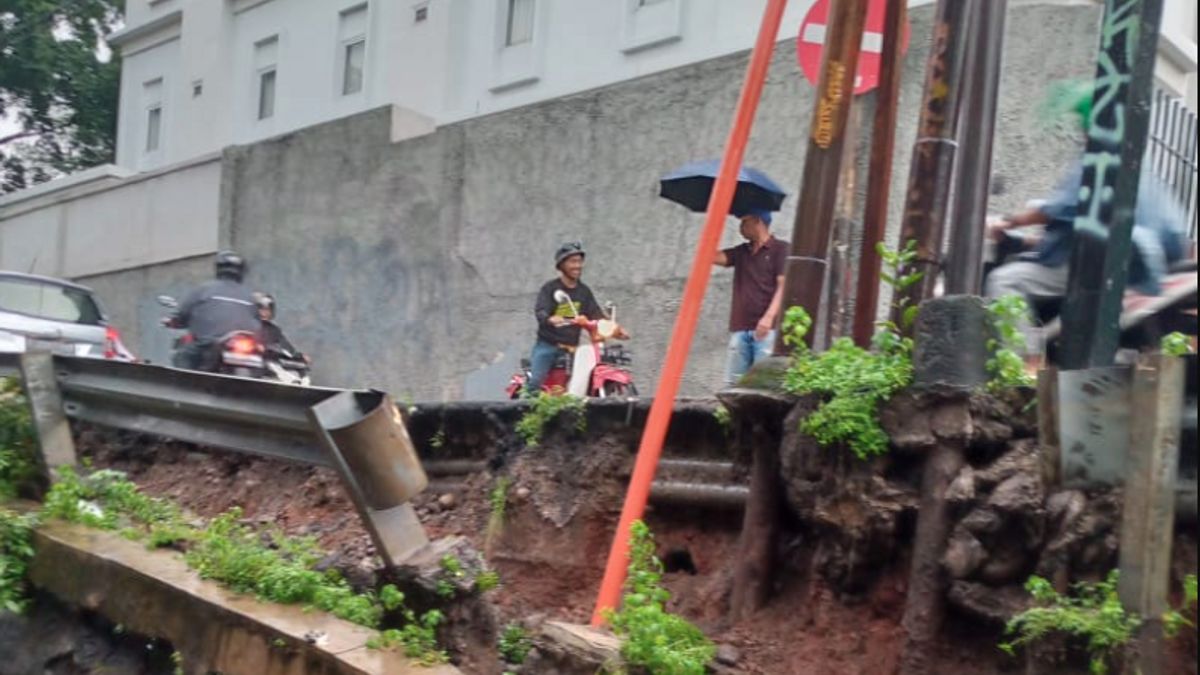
(266,56)
(352,37)
(520,23)
(266,94)
(153,128)
(152,98)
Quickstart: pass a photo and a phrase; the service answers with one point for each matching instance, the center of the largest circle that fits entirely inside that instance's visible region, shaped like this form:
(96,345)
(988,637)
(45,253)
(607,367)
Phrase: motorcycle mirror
(167,301)
(561,297)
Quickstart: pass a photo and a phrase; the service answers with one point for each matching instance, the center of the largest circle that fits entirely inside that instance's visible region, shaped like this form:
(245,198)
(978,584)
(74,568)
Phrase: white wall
(150,218)
(451,66)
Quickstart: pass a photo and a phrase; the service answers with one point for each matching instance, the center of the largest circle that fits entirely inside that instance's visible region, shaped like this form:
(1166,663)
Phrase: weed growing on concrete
(273,567)
(1176,344)
(851,381)
(653,638)
(16,550)
(417,639)
(1094,613)
(514,644)
(1006,367)
(438,439)
(545,407)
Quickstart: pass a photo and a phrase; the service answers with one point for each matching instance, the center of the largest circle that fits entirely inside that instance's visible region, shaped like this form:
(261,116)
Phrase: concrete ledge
(154,593)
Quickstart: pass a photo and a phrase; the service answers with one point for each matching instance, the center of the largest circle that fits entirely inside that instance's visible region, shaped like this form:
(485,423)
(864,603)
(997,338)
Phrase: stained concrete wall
(412,266)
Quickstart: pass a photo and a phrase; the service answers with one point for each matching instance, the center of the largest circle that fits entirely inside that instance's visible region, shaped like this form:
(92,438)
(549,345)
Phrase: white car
(54,315)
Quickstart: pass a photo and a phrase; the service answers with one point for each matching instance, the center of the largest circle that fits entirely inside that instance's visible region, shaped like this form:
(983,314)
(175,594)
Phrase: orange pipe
(689,312)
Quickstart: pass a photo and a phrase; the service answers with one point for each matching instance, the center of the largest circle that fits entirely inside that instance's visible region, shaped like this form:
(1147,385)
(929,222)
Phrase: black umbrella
(691,186)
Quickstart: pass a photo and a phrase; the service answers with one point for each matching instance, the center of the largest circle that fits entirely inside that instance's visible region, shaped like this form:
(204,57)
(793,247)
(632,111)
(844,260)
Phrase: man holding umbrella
(758,266)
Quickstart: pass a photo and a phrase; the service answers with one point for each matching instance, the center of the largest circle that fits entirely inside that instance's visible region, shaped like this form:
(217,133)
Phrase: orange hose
(689,312)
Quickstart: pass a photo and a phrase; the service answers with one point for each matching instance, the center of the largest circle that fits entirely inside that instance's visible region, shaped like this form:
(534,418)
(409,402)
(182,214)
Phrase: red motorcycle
(593,368)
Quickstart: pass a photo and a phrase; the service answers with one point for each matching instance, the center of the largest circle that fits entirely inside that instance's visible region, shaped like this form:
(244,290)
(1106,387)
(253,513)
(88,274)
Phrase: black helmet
(230,264)
(567,250)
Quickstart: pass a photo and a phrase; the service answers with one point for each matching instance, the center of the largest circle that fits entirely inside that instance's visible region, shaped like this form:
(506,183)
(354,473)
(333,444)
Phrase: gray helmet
(567,250)
(230,264)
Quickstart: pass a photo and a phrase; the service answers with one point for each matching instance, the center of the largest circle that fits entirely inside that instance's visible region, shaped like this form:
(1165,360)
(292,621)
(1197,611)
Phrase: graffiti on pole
(828,108)
(1106,128)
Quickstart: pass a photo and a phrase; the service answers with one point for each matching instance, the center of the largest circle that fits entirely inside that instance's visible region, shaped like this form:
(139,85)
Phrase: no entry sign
(812,42)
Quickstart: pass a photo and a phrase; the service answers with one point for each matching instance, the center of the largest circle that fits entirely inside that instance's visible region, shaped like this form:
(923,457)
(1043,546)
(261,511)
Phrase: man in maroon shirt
(758,268)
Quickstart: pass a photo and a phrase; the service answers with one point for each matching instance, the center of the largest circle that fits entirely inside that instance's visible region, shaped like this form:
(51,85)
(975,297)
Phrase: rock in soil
(964,554)
(995,606)
(570,649)
(1022,457)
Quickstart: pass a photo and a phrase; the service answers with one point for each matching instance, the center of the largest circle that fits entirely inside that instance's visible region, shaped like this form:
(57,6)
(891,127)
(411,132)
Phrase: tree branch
(17,136)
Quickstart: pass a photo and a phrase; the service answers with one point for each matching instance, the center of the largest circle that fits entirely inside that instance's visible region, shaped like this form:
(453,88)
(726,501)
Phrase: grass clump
(543,409)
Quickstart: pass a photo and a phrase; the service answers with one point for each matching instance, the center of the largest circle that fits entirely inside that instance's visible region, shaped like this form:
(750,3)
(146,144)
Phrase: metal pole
(965,263)
(930,180)
(655,432)
(1111,167)
(804,278)
(879,176)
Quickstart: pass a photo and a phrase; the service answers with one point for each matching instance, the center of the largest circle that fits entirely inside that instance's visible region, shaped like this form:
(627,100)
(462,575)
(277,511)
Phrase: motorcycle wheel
(619,390)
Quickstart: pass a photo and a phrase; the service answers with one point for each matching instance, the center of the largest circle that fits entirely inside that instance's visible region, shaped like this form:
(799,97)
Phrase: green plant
(487,581)
(660,642)
(417,638)
(895,274)
(1176,344)
(177,661)
(514,644)
(1006,367)
(1174,620)
(16,440)
(16,550)
(545,407)
(269,565)
(438,439)
(1094,613)
(498,498)
(724,418)
(851,381)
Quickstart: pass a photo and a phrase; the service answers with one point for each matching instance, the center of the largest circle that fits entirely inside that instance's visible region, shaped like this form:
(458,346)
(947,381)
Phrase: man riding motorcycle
(1038,268)
(213,311)
(558,324)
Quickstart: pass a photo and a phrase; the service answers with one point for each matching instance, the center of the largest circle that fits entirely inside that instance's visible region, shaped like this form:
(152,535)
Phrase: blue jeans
(744,352)
(541,360)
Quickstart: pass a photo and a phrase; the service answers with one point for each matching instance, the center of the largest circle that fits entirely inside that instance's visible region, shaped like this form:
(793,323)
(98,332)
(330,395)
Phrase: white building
(202,74)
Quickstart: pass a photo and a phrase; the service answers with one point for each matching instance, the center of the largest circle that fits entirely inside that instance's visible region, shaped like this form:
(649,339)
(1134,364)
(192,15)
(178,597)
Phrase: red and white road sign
(812,42)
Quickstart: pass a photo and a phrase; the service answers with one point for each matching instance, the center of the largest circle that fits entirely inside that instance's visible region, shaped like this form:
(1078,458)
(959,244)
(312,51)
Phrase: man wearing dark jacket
(556,325)
(214,310)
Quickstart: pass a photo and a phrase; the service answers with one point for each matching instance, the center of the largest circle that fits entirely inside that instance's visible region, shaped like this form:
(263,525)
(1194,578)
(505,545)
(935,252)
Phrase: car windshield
(48,301)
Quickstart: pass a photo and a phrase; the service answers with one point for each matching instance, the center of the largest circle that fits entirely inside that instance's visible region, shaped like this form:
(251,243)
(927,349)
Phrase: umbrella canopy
(692,185)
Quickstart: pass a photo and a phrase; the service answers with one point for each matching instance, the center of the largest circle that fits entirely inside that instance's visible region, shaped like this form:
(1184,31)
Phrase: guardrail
(357,433)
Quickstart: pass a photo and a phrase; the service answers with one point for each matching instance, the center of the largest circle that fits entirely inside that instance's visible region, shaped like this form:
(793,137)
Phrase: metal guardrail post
(371,450)
(56,445)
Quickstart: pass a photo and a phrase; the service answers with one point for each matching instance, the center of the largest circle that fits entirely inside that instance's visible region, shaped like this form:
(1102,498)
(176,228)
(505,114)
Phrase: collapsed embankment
(544,516)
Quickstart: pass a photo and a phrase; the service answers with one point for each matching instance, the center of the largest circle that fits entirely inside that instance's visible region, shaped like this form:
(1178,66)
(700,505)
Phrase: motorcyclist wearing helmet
(272,335)
(214,310)
(1042,270)
(557,328)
